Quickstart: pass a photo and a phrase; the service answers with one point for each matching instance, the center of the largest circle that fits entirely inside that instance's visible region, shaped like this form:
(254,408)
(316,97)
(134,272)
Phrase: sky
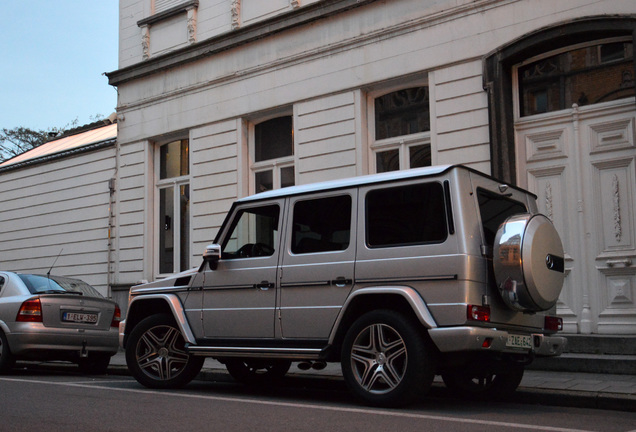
(54,54)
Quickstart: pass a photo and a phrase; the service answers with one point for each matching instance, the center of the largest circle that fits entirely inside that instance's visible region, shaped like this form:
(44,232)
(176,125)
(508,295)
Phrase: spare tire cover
(528,262)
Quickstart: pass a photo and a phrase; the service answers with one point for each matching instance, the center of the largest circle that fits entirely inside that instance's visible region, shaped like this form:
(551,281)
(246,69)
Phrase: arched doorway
(562,123)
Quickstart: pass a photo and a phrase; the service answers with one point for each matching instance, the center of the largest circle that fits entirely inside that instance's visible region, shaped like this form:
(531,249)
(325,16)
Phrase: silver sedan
(45,318)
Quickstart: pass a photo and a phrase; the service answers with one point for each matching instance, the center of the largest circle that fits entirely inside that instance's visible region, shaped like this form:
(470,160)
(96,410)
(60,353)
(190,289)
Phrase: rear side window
(322,225)
(406,215)
(494,210)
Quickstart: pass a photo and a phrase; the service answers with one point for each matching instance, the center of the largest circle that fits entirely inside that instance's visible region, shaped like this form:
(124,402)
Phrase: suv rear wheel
(385,360)
(156,354)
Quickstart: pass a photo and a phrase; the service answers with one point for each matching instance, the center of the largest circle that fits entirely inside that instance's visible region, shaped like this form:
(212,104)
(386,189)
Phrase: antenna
(48,273)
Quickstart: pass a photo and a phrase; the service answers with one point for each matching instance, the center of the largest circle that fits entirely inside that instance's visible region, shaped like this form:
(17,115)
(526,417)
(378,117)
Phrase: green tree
(18,140)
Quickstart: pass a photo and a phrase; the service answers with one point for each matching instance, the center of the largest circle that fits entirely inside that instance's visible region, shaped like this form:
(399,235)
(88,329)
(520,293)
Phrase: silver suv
(397,276)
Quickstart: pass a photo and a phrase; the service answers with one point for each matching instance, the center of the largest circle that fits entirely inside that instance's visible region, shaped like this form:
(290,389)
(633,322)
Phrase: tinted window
(321,225)
(494,210)
(406,215)
(38,284)
(254,233)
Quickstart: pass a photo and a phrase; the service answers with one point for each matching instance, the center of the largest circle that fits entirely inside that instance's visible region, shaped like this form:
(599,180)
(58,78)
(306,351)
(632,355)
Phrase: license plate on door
(519,341)
(86,318)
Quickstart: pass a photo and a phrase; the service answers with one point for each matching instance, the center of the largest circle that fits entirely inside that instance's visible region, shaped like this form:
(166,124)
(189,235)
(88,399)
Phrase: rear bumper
(454,339)
(28,339)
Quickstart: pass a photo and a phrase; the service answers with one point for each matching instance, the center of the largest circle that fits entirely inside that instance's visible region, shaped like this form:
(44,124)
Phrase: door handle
(341,282)
(264,286)
(626,262)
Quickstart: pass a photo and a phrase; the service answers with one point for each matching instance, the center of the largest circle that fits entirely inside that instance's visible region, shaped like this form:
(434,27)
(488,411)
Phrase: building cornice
(234,38)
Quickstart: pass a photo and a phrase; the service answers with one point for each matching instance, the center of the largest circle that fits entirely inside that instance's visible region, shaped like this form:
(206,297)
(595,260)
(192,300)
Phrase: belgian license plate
(519,341)
(88,318)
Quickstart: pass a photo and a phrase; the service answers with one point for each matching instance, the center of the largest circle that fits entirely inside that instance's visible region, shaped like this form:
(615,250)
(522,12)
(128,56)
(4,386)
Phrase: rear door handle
(264,286)
(341,282)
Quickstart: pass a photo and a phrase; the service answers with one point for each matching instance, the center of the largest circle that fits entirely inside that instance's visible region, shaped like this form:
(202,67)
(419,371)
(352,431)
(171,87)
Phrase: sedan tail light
(30,311)
(116,317)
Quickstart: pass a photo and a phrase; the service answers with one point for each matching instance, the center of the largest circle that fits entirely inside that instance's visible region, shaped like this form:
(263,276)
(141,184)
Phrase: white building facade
(219,99)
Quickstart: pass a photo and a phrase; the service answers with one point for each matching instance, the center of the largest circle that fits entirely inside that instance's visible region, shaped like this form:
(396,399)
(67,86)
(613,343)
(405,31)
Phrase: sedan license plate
(88,318)
(519,341)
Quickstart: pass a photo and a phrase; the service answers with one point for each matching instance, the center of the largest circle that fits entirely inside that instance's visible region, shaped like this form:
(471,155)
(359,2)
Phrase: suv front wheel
(156,354)
(385,359)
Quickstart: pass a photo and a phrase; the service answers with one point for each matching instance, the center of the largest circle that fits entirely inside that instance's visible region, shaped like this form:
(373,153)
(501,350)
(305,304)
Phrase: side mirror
(212,255)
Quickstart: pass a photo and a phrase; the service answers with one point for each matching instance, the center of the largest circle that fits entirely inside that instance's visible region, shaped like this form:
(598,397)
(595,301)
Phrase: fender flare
(176,309)
(4,328)
(418,305)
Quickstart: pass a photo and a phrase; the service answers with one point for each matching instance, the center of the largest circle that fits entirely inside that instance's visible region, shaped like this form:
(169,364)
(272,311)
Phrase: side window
(321,225)
(1,284)
(254,233)
(406,215)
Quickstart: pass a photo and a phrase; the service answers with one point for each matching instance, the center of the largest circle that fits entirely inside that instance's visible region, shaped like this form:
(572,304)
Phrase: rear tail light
(553,323)
(478,313)
(116,317)
(30,311)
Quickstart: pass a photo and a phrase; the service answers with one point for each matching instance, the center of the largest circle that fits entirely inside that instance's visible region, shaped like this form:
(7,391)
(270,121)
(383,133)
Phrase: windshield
(38,284)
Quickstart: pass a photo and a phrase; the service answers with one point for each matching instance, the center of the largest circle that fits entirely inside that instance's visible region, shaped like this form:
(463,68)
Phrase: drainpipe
(111,202)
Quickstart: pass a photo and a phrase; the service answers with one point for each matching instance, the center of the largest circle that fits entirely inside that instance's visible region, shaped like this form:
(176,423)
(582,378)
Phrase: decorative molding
(168,13)
(617,208)
(145,41)
(236,14)
(549,207)
(192,24)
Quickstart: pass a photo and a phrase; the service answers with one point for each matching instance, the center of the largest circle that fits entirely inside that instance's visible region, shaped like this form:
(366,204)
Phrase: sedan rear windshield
(39,284)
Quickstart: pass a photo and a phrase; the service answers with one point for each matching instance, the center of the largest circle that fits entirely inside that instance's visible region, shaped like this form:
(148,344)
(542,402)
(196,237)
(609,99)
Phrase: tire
(156,354)
(386,360)
(257,371)
(7,361)
(94,364)
(484,385)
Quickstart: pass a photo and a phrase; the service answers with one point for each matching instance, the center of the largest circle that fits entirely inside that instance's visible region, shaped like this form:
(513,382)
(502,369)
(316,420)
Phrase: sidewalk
(571,389)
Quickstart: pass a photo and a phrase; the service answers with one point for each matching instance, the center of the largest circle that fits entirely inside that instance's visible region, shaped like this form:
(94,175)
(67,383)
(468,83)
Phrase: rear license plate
(87,318)
(519,341)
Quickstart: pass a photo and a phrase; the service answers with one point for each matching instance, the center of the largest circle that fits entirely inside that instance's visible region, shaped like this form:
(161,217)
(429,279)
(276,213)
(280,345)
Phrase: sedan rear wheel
(7,361)
(156,354)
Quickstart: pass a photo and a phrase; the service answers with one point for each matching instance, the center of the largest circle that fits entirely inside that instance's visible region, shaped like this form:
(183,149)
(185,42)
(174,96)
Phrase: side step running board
(261,352)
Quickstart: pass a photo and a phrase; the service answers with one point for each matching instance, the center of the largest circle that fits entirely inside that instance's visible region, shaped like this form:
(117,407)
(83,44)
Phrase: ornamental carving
(236,14)
(617,208)
(549,206)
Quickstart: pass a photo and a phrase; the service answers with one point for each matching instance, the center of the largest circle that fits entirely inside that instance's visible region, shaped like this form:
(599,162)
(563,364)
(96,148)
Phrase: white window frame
(274,165)
(401,143)
(175,183)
